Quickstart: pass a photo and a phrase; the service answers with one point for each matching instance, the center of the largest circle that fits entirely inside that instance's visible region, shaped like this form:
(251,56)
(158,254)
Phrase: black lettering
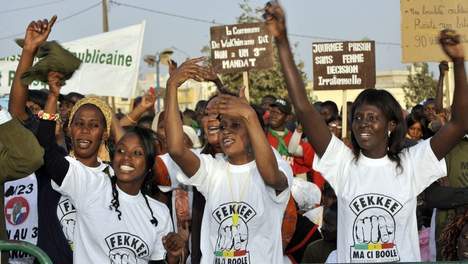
(363,202)
(119,240)
(232,209)
(127,240)
(369,254)
(35,232)
(140,247)
(242,209)
(30,188)
(134,243)
(395,205)
(380,201)
(21,189)
(356,254)
(112,240)
(370,200)
(218,215)
(387,203)
(224,211)
(248,213)
(356,206)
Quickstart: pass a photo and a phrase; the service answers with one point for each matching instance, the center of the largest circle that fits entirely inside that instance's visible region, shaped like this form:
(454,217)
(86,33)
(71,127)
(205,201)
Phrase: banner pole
(344,113)
(245,78)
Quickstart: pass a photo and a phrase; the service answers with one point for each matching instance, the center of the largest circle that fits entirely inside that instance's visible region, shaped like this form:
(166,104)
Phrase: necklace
(243,187)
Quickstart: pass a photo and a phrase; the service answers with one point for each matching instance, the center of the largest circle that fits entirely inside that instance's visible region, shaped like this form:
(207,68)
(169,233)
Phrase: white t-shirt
(21,215)
(100,237)
(253,235)
(377,201)
(66,211)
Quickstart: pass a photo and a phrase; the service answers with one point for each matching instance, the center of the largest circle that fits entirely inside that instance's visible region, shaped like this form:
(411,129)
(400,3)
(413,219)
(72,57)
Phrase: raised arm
(147,103)
(443,68)
(452,132)
(16,160)
(267,165)
(36,33)
(314,127)
(54,159)
(186,159)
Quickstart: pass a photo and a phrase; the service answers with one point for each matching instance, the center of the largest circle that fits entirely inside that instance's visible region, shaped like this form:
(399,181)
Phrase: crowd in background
(267,183)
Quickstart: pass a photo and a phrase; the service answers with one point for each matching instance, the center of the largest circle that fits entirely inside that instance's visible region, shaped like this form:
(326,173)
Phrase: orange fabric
(161,175)
(181,205)
(289,222)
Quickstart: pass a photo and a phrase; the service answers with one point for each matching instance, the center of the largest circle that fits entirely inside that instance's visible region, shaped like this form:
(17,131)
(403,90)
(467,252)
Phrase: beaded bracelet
(46,116)
(131,119)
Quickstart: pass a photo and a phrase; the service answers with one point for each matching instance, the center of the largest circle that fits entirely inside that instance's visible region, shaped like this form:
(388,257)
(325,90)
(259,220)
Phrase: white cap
(190,132)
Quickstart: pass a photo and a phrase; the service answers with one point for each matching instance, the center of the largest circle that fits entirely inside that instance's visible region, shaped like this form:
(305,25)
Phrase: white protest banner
(109,68)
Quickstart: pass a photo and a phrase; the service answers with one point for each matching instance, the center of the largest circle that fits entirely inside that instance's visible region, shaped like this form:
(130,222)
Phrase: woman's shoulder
(158,207)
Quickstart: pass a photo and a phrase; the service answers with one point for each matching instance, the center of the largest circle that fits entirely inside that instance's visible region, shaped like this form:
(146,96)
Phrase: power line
(59,20)
(29,7)
(165,13)
(212,22)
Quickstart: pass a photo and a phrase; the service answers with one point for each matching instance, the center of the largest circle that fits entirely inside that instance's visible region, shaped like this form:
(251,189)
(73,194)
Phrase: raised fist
(68,228)
(122,256)
(373,229)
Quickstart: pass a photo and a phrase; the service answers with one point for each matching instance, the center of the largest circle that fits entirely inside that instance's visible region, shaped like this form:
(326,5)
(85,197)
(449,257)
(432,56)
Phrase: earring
(389,133)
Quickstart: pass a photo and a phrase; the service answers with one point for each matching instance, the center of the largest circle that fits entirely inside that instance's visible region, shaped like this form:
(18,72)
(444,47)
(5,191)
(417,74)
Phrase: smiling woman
(377,182)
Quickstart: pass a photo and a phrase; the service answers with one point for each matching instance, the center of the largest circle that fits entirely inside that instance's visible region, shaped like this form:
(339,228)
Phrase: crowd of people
(231,182)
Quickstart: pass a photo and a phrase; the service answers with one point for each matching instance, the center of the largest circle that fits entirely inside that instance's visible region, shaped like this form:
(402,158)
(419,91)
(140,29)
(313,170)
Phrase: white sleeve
(426,167)
(286,169)
(333,162)
(164,228)
(4,116)
(173,170)
(80,184)
(201,179)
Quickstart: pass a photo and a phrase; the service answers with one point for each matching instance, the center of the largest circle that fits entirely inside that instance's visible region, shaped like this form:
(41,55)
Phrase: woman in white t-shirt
(377,182)
(246,193)
(115,220)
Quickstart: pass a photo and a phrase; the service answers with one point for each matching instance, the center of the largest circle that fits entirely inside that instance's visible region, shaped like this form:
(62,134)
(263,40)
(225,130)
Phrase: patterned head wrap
(101,105)
(103,153)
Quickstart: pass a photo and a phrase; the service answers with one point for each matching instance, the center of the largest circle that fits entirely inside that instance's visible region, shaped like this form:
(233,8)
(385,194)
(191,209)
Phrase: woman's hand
(275,20)
(54,79)
(450,42)
(37,32)
(188,70)
(174,245)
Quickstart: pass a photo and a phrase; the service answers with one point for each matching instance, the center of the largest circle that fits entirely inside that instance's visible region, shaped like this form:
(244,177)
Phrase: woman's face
(87,131)
(129,160)
(210,123)
(234,139)
(370,129)
(335,128)
(415,131)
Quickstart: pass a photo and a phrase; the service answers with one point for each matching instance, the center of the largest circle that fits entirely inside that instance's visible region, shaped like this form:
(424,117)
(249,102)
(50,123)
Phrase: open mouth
(227,142)
(126,168)
(83,143)
(365,136)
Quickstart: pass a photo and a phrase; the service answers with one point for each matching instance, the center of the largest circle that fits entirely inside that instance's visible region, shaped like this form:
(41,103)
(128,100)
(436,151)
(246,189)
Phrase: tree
(261,82)
(420,84)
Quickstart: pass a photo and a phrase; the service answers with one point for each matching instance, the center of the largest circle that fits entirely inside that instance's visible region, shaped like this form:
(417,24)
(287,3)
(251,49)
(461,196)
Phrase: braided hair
(449,236)
(146,138)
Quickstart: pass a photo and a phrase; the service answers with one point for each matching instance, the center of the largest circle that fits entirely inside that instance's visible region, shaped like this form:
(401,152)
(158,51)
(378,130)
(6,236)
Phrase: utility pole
(105,28)
(105,18)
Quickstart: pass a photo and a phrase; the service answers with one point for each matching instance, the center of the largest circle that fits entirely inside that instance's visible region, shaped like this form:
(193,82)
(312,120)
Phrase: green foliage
(420,84)
(261,82)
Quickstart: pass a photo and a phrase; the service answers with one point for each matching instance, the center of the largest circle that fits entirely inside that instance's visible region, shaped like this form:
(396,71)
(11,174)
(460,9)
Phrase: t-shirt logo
(374,228)
(126,248)
(66,213)
(17,210)
(233,232)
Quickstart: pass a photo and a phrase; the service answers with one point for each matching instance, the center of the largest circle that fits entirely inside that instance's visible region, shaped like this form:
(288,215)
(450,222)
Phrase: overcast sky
(345,19)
